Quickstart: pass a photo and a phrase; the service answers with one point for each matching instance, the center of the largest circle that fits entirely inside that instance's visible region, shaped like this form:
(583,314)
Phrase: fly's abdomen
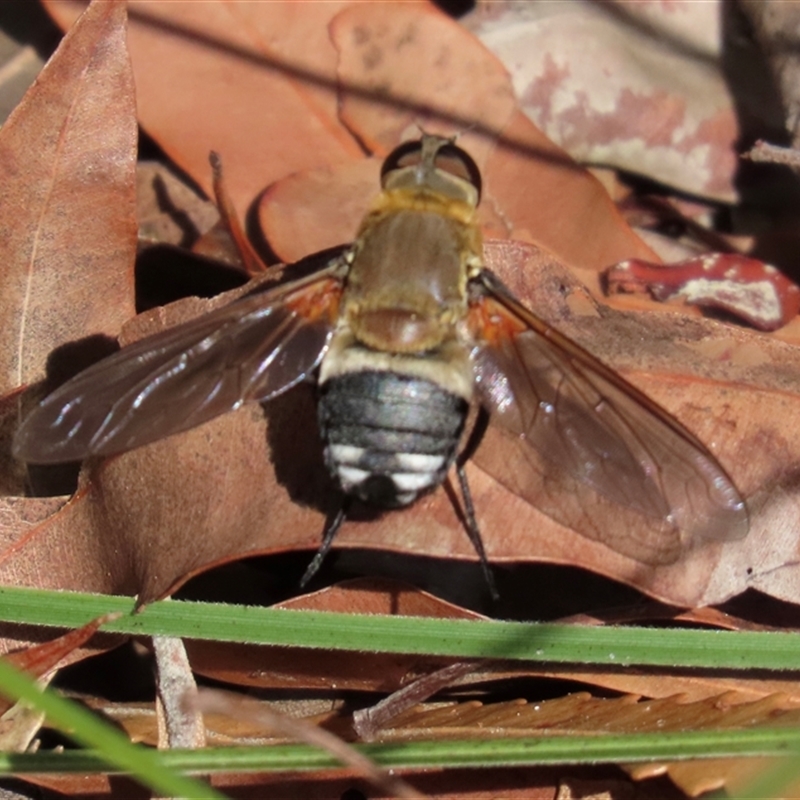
(389,437)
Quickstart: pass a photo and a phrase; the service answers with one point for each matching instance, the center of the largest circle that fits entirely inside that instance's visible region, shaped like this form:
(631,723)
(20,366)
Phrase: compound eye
(408,154)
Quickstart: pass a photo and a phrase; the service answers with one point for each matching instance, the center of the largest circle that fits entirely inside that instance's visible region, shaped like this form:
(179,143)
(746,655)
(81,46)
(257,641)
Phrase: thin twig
(767,153)
(368,721)
(214,701)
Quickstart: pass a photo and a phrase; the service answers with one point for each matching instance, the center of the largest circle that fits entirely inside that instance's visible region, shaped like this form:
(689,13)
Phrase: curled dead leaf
(68,224)
(245,484)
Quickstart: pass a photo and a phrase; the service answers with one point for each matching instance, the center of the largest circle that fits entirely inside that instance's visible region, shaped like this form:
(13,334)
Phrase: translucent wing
(580,443)
(252,349)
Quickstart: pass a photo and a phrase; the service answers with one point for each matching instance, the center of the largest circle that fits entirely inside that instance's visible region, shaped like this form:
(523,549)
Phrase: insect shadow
(296,450)
(63,363)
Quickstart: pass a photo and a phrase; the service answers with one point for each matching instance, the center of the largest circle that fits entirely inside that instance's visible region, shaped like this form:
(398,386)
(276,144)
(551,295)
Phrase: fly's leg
(331,529)
(473,531)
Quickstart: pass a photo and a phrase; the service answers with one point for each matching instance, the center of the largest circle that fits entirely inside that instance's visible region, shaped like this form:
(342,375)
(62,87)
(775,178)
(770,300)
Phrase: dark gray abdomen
(389,437)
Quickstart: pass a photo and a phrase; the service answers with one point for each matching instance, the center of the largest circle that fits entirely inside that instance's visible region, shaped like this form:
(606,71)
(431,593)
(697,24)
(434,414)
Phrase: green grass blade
(773,781)
(500,752)
(113,748)
(465,639)
(457,638)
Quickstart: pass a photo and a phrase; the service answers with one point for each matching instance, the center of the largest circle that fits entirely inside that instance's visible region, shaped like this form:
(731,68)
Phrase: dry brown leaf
(312,211)
(254,82)
(281,667)
(692,688)
(278,667)
(636,86)
(463,784)
(390,54)
(567,207)
(153,517)
(699,776)
(568,213)
(582,713)
(420,69)
(577,713)
(146,521)
(41,659)
(68,230)
(140,723)
(168,210)
(240,707)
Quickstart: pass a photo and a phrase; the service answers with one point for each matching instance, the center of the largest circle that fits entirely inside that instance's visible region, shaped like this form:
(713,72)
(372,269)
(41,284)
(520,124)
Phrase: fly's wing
(252,349)
(584,446)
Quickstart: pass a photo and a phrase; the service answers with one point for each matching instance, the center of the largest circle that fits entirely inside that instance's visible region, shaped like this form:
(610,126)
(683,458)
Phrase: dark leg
(331,529)
(473,532)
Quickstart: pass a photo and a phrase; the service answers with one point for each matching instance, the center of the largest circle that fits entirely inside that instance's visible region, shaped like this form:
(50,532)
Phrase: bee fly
(406,331)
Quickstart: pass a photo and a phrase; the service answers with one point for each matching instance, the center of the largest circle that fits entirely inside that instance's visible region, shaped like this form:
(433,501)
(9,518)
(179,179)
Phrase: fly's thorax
(458,214)
(407,284)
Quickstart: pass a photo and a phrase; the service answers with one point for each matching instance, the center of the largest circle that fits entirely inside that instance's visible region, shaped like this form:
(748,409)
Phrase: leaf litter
(75,135)
(686,363)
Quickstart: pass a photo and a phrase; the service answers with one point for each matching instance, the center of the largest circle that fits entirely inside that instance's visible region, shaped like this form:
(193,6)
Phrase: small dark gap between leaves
(455,8)
(763,609)
(267,580)
(149,150)
(495,783)
(642,188)
(554,591)
(14,789)
(532,689)
(750,81)
(121,675)
(165,274)
(28,23)
(353,794)
(52,739)
(769,194)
